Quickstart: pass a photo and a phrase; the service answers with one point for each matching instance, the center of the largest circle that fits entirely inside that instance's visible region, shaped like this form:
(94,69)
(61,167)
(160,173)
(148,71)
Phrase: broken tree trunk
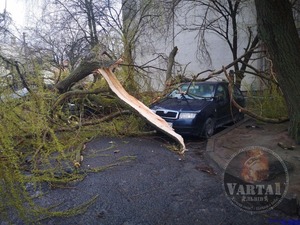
(155,120)
(170,65)
(92,61)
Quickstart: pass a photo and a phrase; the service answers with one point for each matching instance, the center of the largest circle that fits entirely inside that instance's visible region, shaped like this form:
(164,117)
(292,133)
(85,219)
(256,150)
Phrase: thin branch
(244,110)
(63,97)
(95,122)
(218,72)
(21,75)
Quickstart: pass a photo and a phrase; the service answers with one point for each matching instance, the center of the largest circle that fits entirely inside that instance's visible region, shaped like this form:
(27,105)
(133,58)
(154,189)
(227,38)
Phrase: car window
(201,90)
(195,90)
(178,92)
(237,94)
(221,92)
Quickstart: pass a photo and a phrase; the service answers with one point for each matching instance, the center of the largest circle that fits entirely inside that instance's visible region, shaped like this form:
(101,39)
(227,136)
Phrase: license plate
(170,124)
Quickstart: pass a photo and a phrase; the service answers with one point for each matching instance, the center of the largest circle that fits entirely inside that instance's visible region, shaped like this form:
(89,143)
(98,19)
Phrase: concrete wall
(161,41)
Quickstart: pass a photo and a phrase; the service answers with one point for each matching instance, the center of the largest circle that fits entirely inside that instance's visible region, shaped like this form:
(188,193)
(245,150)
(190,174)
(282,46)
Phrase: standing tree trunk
(93,39)
(170,65)
(277,29)
(130,82)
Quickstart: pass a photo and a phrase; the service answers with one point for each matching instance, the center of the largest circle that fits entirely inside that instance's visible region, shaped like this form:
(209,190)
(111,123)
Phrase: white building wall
(157,42)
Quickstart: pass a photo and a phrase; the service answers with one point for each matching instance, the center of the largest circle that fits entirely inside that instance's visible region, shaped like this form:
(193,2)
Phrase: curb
(289,204)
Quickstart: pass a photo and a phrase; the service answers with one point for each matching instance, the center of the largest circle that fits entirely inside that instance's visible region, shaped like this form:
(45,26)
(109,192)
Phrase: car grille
(167,114)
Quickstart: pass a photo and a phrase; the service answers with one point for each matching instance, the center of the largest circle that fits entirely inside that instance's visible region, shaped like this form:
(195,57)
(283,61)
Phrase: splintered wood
(155,120)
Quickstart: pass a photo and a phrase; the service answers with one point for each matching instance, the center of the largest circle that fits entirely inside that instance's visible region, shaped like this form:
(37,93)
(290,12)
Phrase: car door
(238,96)
(222,104)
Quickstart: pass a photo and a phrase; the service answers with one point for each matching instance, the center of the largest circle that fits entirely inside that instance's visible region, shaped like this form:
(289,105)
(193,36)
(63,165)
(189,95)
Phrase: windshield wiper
(199,97)
(183,95)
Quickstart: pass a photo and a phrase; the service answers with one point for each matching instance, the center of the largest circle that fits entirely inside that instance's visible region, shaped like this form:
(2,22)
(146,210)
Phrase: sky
(17,10)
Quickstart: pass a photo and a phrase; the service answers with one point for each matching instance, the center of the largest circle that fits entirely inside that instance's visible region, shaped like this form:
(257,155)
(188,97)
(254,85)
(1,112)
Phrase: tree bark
(277,29)
(241,73)
(171,60)
(85,68)
(130,82)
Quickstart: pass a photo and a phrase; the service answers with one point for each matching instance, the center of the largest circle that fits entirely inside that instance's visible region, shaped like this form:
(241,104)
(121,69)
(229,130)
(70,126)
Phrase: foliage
(268,103)
(34,149)
(28,141)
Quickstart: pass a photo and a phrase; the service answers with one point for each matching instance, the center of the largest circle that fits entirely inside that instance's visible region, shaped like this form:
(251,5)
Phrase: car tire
(209,128)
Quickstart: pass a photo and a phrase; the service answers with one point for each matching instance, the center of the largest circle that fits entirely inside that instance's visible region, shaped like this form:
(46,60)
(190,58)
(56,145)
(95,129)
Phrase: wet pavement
(222,146)
(143,182)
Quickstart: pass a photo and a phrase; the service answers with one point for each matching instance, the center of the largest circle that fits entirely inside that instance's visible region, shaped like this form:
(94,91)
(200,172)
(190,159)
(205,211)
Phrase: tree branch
(171,60)
(70,94)
(244,110)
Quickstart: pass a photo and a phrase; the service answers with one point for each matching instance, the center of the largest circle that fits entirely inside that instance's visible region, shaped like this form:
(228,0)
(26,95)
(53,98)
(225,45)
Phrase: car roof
(207,82)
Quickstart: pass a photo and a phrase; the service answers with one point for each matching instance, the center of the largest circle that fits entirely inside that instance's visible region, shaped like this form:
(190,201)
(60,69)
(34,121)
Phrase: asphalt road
(148,184)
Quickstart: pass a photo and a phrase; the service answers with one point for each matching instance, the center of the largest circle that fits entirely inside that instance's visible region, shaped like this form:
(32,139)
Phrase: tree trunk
(91,22)
(241,73)
(277,29)
(170,65)
(130,82)
(85,68)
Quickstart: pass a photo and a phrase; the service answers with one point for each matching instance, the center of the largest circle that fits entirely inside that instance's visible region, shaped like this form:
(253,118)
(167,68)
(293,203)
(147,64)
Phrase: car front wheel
(209,128)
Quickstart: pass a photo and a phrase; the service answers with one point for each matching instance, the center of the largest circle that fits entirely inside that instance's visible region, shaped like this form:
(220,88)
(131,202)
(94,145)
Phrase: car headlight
(187,115)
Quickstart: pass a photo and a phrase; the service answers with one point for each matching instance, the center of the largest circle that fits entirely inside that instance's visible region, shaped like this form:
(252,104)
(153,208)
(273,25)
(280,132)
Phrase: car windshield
(193,91)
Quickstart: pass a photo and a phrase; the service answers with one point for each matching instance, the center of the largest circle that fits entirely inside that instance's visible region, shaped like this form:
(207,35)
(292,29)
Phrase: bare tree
(5,21)
(106,25)
(222,17)
(69,31)
(138,17)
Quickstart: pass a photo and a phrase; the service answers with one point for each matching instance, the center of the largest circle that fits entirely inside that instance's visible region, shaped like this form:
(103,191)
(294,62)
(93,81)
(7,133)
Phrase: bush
(268,103)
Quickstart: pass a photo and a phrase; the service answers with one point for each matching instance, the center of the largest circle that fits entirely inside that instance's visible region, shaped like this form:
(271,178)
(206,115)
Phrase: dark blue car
(198,108)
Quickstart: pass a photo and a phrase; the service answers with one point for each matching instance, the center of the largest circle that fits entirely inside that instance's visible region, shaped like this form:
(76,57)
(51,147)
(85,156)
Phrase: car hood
(181,104)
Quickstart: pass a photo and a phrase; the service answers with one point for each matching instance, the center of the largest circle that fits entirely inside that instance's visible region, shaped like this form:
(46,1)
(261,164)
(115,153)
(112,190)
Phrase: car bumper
(184,127)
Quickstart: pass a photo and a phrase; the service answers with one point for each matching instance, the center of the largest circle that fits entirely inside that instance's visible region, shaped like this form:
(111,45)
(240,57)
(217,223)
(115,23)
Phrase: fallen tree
(94,60)
(101,63)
